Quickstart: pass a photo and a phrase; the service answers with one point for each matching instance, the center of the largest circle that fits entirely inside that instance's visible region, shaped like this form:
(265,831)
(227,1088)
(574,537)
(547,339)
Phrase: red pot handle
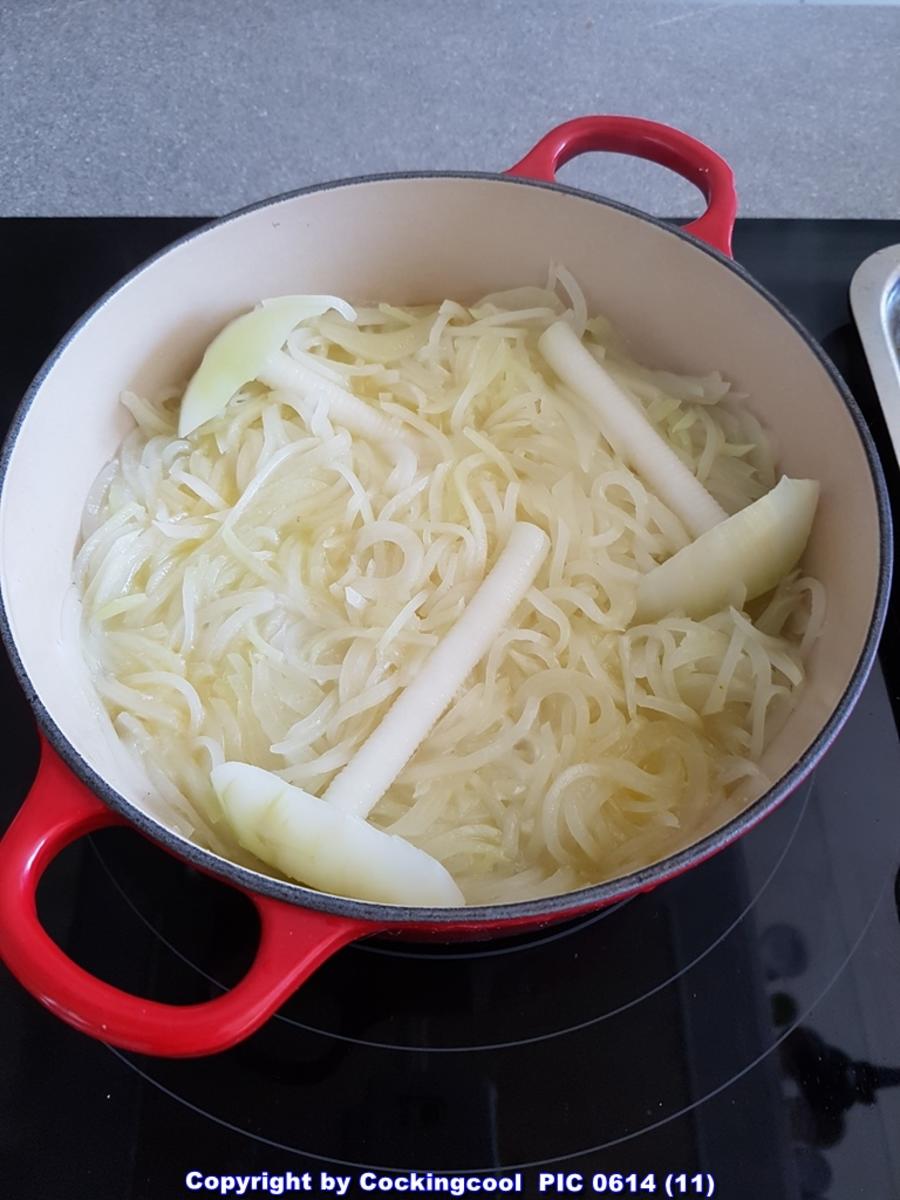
(293,941)
(644,139)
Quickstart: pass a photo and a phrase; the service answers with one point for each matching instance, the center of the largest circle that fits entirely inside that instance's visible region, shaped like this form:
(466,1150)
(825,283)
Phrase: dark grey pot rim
(532,911)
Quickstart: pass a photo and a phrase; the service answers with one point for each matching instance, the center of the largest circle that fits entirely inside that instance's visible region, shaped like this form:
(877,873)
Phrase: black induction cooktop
(738,1026)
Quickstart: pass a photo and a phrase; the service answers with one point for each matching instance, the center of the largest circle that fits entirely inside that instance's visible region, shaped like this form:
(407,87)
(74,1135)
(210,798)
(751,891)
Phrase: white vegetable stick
(315,843)
(384,754)
(750,552)
(234,356)
(628,430)
(283,372)
(327,843)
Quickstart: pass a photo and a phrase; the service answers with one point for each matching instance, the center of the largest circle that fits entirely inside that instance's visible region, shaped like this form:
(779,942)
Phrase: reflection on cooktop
(741,1020)
(830,1082)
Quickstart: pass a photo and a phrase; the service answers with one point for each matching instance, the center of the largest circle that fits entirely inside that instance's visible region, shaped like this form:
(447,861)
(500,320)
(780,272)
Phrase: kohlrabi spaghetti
(466,576)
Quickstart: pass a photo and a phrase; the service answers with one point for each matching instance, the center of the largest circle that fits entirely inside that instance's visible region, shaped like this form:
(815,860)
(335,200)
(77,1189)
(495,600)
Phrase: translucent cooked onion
(261,590)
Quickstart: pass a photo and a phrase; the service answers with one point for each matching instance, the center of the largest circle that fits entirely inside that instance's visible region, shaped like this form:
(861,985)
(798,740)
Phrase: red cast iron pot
(418,237)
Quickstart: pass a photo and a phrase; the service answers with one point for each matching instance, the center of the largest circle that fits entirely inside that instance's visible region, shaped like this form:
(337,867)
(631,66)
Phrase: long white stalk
(283,372)
(629,431)
(384,754)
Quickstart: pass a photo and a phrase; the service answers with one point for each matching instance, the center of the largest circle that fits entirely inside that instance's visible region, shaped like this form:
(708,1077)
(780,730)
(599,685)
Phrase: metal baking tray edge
(875,301)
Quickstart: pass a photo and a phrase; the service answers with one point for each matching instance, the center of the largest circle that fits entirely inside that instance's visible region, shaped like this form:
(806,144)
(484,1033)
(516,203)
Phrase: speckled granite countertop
(158,106)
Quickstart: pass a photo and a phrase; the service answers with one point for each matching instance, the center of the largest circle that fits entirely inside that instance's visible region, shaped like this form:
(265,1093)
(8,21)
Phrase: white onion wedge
(748,553)
(628,430)
(317,844)
(235,355)
(384,754)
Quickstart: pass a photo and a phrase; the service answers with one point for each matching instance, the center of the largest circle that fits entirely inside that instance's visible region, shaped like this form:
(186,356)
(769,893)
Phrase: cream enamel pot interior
(413,238)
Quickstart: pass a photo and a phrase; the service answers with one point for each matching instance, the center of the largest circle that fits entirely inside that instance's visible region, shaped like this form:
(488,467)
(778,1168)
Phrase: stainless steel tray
(875,300)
